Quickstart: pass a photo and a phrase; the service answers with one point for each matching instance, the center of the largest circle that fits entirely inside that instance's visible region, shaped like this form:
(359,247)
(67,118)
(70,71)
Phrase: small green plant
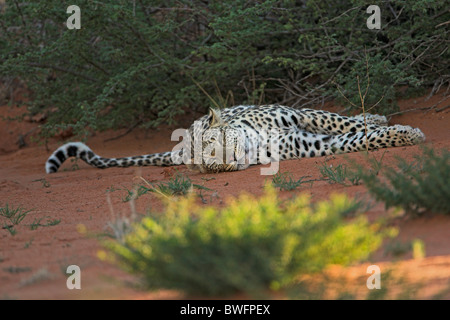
(375,164)
(418,187)
(285,181)
(11,230)
(248,246)
(36,223)
(13,215)
(339,174)
(334,175)
(179,185)
(136,193)
(354,179)
(50,222)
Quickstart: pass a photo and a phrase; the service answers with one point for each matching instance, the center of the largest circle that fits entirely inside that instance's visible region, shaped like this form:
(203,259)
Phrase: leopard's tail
(83,152)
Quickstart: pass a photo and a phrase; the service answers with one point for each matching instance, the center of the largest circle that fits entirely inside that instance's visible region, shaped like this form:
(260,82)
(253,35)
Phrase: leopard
(234,138)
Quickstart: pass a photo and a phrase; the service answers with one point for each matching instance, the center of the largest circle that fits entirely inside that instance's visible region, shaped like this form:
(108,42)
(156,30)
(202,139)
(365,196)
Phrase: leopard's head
(223,146)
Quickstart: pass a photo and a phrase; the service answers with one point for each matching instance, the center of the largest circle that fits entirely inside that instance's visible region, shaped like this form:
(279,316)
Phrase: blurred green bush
(248,246)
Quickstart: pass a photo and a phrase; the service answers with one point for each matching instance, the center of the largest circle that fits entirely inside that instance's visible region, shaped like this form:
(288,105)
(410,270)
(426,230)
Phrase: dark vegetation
(138,63)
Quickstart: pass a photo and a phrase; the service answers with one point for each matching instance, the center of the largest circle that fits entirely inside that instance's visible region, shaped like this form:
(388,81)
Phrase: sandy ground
(33,263)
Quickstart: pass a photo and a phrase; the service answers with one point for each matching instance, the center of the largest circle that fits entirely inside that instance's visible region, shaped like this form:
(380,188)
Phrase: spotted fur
(300,134)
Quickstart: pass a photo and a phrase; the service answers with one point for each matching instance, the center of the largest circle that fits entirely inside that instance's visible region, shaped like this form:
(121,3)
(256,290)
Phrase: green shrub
(418,187)
(340,174)
(178,185)
(136,62)
(285,181)
(13,216)
(248,246)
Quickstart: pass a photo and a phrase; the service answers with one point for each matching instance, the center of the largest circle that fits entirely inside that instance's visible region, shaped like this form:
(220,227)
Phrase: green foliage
(248,246)
(13,215)
(285,181)
(38,223)
(179,185)
(418,187)
(339,174)
(380,78)
(133,62)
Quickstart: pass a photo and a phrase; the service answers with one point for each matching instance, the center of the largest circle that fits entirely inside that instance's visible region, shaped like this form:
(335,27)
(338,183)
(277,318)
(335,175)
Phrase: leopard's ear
(215,118)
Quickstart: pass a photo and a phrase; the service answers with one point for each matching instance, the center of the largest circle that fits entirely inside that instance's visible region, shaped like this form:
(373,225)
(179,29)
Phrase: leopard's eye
(213,153)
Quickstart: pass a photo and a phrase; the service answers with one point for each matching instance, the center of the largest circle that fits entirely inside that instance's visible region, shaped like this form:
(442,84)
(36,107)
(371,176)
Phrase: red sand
(33,262)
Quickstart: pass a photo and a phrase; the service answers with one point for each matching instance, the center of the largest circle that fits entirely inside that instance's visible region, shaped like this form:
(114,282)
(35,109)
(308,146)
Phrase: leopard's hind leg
(303,144)
(324,122)
(382,137)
